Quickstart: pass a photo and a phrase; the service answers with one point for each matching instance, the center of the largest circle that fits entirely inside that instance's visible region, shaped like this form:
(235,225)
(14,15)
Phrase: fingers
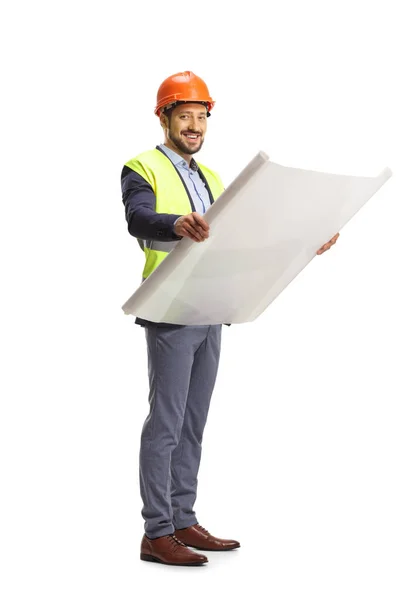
(193,226)
(201,222)
(329,244)
(324,248)
(191,232)
(199,225)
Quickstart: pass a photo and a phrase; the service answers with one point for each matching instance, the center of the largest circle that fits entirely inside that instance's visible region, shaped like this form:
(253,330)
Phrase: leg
(170,352)
(185,459)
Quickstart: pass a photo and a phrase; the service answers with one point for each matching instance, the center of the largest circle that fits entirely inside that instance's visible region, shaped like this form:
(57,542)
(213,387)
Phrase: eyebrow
(190,112)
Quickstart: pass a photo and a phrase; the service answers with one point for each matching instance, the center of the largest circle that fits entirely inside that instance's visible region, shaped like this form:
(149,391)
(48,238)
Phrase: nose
(195,124)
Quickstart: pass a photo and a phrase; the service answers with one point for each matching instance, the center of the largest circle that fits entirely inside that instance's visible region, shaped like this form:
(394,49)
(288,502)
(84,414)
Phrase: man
(165,193)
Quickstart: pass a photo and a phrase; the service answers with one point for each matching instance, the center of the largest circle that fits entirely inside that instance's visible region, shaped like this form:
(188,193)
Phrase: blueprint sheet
(264,229)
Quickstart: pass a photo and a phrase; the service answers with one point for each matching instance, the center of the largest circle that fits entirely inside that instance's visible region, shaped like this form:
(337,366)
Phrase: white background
(301,450)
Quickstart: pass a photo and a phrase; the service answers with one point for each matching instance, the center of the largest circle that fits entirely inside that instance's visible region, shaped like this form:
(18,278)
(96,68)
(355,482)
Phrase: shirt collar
(176,159)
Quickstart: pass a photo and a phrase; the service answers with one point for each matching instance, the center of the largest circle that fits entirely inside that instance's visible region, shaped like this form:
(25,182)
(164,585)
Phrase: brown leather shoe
(169,551)
(198,537)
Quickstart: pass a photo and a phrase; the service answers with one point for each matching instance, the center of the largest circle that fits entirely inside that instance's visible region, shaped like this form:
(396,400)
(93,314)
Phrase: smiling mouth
(192,137)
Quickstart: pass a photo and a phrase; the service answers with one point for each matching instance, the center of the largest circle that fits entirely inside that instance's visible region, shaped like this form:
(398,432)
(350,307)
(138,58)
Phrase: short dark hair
(168,111)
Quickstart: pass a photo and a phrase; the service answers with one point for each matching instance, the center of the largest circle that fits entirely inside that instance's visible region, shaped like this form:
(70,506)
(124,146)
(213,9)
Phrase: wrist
(176,234)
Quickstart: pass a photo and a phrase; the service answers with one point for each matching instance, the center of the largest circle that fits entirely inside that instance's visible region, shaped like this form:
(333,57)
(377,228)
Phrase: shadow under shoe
(168,550)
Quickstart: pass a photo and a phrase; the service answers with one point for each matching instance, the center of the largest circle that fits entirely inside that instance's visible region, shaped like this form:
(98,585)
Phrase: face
(186,127)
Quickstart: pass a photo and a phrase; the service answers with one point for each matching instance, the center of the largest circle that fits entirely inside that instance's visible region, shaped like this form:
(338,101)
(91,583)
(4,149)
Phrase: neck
(171,146)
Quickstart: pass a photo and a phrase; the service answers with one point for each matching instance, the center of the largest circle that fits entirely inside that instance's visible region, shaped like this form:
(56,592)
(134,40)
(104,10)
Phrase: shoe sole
(151,558)
(214,549)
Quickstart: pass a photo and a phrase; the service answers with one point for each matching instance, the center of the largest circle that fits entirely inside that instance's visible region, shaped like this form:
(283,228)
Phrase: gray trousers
(183,364)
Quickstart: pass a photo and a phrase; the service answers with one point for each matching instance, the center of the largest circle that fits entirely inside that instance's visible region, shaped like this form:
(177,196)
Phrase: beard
(182,146)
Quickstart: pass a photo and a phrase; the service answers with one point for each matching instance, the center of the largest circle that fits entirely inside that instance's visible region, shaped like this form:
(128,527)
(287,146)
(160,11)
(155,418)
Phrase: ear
(163,121)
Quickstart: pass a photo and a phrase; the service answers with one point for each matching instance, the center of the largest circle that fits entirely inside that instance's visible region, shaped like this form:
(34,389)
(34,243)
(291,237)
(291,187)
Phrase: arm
(139,201)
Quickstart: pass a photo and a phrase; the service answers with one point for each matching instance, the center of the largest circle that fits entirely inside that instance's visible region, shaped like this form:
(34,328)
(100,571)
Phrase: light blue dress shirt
(196,187)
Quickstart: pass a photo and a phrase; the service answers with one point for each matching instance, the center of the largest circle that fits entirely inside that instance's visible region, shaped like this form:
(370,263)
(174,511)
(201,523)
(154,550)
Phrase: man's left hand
(326,246)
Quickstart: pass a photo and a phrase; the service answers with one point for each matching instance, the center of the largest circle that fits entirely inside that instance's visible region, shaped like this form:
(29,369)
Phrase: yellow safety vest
(172,197)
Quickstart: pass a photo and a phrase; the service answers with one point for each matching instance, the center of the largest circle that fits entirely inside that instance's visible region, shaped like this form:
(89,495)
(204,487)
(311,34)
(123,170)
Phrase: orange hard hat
(183,87)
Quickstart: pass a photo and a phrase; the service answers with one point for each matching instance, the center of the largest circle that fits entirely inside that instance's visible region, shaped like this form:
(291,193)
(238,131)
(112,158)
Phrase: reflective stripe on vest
(172,196)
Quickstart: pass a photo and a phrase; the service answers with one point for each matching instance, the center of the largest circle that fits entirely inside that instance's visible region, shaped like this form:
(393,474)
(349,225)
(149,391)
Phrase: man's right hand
(192,226)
